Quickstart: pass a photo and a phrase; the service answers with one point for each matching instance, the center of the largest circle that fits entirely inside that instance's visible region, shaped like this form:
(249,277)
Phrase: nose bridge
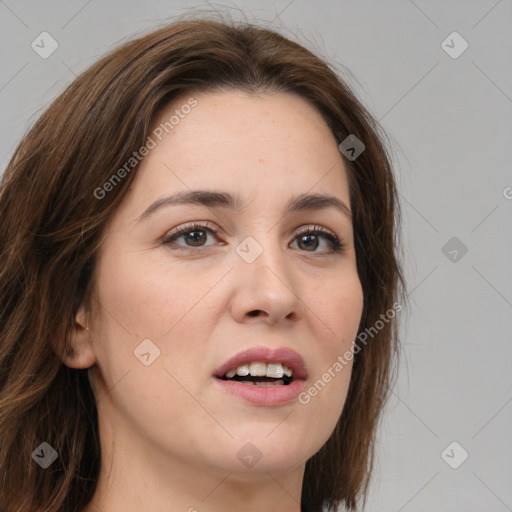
(263,260)
(262,247)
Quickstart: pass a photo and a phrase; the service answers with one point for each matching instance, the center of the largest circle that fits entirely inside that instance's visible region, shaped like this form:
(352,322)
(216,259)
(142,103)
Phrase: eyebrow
(213,199)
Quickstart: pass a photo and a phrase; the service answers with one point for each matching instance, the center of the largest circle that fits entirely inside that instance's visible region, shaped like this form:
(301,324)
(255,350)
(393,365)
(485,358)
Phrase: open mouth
(259,373)
(263,377)
(261,381)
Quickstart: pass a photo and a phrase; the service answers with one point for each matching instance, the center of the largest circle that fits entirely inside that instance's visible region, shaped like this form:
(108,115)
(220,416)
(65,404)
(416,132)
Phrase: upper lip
(283,355)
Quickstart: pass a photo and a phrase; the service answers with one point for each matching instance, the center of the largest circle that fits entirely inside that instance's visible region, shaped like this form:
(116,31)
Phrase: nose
(266,287)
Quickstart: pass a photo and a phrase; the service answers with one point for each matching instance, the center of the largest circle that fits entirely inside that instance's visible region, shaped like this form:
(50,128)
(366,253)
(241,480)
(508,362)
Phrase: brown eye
(195,236)
(310,239)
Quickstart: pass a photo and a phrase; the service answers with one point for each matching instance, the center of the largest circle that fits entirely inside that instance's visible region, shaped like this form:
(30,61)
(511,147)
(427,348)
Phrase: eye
(309,237)
(196,234)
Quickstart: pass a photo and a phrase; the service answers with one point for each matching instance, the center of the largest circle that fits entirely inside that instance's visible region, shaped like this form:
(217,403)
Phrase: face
(173,307)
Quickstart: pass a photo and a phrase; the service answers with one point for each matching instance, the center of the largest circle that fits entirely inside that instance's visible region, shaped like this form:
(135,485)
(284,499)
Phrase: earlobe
(80,353)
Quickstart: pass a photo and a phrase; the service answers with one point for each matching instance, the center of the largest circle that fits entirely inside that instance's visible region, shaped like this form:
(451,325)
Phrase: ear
(80,354)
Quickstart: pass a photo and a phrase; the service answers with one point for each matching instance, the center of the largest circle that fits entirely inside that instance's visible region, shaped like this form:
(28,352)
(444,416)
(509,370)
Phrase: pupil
(304,237)
(195,238)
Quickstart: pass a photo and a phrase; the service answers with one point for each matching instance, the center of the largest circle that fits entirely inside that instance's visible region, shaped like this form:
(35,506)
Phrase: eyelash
(337,245)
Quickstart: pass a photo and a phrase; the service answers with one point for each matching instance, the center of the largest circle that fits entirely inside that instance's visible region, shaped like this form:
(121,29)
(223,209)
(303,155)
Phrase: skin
(169,434)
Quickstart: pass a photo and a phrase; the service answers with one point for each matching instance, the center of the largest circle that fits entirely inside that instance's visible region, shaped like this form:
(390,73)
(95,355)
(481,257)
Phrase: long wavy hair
(52,225)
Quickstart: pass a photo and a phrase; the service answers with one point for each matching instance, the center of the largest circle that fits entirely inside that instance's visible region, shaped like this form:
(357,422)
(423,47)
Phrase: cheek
(139,302)
(323,401)
(337,307)
(160,302)
(148,298)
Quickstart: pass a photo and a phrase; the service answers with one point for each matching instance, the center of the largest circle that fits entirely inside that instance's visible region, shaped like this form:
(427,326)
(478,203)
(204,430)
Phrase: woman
(199,284)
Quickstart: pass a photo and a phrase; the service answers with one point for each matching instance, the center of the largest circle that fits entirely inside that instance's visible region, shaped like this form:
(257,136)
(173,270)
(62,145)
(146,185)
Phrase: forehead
(272,145)
(243,120)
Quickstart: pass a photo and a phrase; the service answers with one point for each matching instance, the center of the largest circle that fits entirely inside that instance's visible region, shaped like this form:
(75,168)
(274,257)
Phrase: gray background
(451,123)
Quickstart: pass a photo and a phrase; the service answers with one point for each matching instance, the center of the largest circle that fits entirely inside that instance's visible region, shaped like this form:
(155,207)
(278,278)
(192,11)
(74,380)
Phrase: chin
(256,456)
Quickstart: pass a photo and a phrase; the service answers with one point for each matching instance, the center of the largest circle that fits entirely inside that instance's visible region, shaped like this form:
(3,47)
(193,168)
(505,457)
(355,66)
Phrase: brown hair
(51,229)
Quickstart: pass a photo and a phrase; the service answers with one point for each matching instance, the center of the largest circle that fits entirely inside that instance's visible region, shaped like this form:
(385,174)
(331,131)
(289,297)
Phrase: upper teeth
(259,369)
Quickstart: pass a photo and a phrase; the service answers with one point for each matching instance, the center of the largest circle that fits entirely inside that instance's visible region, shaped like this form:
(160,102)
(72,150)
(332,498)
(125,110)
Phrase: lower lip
(263,395)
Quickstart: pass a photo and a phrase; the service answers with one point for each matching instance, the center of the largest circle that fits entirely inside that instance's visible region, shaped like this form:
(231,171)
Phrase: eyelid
(308,228)
(189,226)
